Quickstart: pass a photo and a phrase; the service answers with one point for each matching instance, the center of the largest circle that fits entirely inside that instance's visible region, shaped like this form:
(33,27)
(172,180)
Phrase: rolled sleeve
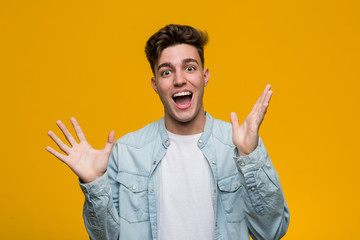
(98,187)
(265,207)
(100,217)
(252,161)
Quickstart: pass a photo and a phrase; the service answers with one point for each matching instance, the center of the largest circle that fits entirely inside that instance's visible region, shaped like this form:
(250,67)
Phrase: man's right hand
(87,163)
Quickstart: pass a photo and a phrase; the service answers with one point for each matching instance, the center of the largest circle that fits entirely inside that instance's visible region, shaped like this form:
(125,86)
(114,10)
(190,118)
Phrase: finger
(66,133)
(110,142)
(60,156)
(266,90)
(57,140)
(79,132)
(264,107)
(263,95)
(259,103)
(268,97)
(234,120)
(265,104)
(260,99)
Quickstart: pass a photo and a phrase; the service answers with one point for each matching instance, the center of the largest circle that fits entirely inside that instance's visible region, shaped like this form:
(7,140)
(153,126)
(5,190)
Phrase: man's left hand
(245,136)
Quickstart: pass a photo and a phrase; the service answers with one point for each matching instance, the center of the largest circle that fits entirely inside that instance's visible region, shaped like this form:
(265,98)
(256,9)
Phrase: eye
(190,68)
(165,73)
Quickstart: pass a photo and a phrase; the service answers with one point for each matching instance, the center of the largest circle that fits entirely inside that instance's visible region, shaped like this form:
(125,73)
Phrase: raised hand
(245,136)
(87,163)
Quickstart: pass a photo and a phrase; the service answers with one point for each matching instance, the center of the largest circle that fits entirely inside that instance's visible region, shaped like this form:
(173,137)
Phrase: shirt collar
(204,138)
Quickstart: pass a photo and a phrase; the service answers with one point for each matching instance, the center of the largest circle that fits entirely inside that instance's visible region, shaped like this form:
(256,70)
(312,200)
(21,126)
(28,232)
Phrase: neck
(191,127)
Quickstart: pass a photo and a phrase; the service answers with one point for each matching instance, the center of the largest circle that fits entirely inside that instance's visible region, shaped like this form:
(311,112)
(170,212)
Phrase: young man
(186,176)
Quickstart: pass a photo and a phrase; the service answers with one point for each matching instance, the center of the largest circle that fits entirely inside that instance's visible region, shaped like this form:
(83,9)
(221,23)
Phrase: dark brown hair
(171,35)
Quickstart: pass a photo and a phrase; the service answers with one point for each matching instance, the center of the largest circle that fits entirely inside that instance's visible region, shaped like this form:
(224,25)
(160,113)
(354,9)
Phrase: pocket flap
(230,184)
(134,183)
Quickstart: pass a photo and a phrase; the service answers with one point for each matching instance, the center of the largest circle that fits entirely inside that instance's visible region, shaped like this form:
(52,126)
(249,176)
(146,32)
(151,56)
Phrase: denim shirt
(246,193)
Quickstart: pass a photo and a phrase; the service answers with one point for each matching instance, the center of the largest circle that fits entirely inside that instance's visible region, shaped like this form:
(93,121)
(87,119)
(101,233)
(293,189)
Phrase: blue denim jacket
(246,192)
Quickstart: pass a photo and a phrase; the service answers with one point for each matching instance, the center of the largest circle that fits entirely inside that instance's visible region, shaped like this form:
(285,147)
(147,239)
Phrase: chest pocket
(133,197)
(231,197)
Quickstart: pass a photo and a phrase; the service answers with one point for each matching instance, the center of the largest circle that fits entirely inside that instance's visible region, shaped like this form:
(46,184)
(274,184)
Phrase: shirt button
(151,191)
(166,141)
(252,188)
(200,141)
(133,187)
(214,162)
(236,186)
(154,162)
(242,164)
(92,214)
(214,190)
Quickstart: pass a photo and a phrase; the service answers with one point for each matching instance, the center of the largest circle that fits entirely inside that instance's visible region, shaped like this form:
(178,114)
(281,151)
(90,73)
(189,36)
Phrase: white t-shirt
(186,210)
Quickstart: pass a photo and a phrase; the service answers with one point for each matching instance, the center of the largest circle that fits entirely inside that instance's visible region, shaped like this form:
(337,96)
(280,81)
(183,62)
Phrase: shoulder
(222,131)
(141,137)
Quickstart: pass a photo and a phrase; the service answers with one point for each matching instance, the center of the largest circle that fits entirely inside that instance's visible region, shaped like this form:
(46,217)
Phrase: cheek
(196,79)
(164,84)
(198,83)
(163,91)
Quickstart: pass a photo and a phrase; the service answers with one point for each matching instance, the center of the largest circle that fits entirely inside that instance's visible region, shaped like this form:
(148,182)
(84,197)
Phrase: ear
(206,76)
(153,84)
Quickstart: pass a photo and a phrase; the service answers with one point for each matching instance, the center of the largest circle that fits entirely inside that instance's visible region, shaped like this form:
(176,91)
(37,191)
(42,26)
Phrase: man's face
(180,80)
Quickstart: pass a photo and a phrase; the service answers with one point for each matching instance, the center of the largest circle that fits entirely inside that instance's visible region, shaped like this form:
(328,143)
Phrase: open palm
(87,163)
(245,136)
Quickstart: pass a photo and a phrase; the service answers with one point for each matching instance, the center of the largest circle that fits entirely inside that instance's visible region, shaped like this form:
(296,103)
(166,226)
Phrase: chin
(185,117)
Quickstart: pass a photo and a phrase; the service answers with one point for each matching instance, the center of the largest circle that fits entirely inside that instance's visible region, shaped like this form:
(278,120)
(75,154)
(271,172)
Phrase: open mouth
(182,99)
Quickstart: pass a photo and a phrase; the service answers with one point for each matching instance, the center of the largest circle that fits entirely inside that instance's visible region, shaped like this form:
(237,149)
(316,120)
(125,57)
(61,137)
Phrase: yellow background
(86,59)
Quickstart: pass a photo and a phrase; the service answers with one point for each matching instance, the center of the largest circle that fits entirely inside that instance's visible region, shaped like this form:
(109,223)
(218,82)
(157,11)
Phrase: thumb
(234,120)
(110,142)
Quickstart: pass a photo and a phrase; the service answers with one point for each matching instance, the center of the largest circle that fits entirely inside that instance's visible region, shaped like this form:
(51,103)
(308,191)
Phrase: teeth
(181,94)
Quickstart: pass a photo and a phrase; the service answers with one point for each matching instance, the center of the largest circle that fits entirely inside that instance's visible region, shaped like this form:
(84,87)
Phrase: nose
(179,79)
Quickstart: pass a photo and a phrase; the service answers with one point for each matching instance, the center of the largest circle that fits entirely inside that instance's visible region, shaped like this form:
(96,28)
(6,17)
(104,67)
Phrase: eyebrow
(164,65)
(186,60)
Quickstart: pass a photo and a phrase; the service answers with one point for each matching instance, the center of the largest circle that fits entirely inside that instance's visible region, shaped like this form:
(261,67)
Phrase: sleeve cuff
(252,161)
(98,187)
